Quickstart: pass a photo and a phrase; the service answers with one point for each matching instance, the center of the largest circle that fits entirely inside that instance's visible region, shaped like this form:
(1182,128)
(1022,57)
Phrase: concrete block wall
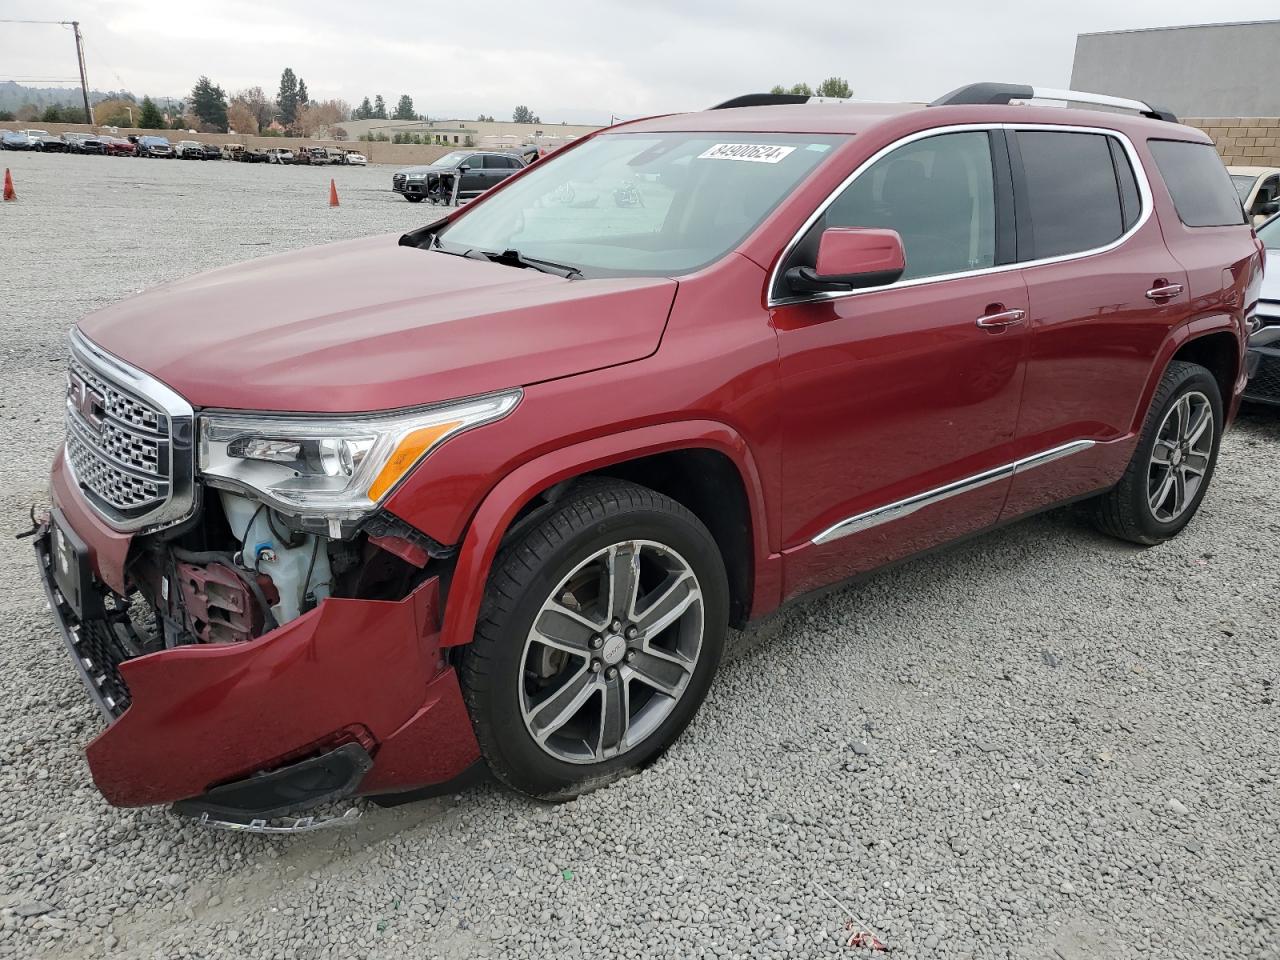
(1243,141)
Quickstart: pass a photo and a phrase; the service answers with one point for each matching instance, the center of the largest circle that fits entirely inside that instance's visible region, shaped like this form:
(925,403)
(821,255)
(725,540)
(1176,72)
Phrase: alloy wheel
(1180,456)
(611,652)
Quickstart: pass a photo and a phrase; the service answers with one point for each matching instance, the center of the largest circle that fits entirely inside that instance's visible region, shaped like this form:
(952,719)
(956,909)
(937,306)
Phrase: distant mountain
(15,96)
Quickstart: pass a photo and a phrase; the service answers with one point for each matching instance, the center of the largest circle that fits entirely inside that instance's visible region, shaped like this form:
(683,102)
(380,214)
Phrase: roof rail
(762,100)
(976,93)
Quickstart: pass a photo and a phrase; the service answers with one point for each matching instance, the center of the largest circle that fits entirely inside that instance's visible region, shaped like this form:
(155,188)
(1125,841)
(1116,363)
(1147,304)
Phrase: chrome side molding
(902,508)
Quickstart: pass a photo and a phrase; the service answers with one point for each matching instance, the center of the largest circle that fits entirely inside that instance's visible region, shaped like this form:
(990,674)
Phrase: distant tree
(379,107)
(27,112)
(797,89)
(339,133)
(52,114)
(484,119)
(404,109)
(6,115)
(149,118)
(263,108)
(209,104)
(523,114)
(303,97)
(319,115)
(364,111)
(287,98)
(241,118)
(835,87)
(115,112)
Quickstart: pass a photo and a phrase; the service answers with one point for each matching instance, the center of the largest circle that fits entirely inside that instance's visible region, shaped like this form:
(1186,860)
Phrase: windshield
(642,203)
(450,159)
(1269,234)
(1243,184)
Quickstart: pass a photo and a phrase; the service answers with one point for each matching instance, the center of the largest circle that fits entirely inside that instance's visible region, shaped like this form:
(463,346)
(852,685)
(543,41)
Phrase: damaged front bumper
(351,698)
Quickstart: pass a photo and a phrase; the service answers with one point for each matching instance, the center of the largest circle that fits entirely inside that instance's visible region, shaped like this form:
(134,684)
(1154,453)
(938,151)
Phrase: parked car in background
(477,172)
(355,158)
(1264,343)
(315,156)
(189,150)
(1259,189)
(45,141)
(119,147)
(254,155)
(15,140)
(280,155)
(152,146)
(492,493)
(82,143)
(212,151)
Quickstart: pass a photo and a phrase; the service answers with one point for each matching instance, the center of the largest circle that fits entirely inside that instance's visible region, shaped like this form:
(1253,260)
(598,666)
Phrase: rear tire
(600,631)
(1172,465)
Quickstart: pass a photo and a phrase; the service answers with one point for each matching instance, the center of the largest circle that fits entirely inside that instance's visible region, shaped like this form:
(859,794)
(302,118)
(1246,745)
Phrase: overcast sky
(572,60)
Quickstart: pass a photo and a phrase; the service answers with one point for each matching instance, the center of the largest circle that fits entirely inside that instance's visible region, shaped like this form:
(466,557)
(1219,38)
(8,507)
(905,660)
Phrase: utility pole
(84,82)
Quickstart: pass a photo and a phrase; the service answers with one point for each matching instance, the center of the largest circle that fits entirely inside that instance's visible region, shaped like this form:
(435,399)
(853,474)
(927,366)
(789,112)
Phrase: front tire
(1172,466)
(598,637)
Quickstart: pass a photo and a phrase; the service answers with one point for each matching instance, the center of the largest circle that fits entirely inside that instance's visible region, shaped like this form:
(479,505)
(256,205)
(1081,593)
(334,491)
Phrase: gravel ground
(1042,744)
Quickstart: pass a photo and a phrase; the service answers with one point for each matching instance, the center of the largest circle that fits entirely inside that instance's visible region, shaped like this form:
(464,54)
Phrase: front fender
(497,510)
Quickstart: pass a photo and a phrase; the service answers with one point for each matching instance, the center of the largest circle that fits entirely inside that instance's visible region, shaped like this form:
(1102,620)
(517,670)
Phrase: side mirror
(463,168)
(850,258)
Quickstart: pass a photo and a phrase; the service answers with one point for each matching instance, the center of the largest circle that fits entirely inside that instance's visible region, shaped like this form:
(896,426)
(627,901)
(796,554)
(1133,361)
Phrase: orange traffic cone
(333,192)
(9,193)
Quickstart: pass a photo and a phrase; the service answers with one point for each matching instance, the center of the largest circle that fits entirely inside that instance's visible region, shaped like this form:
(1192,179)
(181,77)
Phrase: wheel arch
(686,460)
(1214,342)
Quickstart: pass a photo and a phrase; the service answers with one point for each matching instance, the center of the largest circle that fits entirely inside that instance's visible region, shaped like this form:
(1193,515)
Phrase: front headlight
(338,468)
(417,176)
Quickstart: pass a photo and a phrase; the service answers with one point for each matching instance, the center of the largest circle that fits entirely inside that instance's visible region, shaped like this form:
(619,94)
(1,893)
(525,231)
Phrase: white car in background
(1259,189)
(357,159)
(279,155)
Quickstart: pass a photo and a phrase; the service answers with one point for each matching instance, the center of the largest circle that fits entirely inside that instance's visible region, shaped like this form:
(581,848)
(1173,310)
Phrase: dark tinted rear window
(1072,193)
(1198,182)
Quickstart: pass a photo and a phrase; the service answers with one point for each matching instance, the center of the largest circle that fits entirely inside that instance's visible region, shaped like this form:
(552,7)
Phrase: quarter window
(1072,192)
(937,193)
(1198,183)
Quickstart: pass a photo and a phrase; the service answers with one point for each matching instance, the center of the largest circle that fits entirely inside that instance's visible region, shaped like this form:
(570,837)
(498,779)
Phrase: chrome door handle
(1005,318)
(1166,292)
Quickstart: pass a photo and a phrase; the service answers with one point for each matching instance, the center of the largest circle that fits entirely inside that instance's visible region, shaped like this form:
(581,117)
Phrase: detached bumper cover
(204,715)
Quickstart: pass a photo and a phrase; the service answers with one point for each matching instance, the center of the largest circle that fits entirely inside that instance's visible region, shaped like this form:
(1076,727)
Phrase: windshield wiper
(514,258)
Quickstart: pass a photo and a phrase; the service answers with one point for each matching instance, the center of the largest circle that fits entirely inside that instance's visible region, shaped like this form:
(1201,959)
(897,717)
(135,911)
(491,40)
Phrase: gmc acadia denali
(491,495)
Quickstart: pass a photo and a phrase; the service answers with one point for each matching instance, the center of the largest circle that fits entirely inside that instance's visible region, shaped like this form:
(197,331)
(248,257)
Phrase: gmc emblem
(85,401)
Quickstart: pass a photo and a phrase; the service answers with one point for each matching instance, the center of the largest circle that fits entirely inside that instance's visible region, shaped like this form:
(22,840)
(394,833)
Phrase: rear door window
(1198,182)
(1072,193)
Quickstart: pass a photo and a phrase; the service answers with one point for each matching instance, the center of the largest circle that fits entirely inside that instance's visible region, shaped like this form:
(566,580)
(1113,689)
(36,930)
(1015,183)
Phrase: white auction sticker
(753,152)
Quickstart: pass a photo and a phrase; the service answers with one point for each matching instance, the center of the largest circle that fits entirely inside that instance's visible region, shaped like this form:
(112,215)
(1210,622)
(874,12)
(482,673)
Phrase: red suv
(491,495)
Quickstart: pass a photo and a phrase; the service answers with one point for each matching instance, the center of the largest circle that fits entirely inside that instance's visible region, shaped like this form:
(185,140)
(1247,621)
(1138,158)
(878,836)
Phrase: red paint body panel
(369,325)
(207,714)
(887,394)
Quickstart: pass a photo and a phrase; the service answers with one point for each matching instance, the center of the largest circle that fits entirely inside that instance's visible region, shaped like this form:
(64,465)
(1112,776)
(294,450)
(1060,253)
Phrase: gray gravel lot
(1041,744)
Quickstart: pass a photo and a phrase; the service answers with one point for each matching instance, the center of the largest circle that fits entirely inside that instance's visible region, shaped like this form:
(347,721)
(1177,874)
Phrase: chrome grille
(128,441)
(397,181)
(119,488)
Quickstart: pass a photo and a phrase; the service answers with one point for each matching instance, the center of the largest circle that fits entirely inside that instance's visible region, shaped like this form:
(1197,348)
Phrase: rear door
(1104,292)
(898,406)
